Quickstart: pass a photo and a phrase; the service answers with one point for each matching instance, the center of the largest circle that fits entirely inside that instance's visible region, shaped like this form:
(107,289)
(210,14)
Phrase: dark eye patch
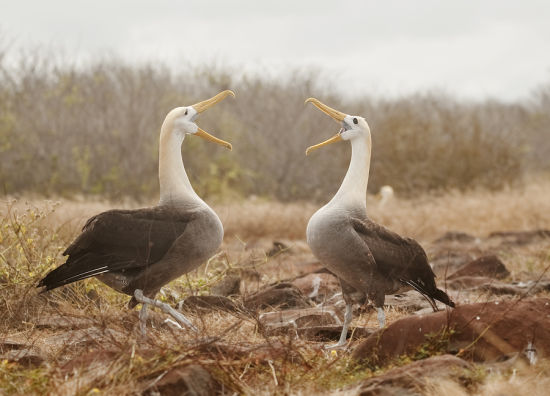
(355,121)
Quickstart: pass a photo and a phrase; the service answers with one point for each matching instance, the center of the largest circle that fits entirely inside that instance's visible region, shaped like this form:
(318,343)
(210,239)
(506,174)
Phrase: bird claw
(178,316)
(182,320)
(173,323)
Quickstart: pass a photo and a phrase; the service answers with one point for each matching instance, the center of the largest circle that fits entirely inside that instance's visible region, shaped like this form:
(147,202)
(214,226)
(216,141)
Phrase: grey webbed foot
(178,316)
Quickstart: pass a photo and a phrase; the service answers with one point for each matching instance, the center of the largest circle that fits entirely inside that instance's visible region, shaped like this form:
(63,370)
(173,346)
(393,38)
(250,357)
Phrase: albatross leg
(381,317)
(143,318)
(347,320)
(180,318)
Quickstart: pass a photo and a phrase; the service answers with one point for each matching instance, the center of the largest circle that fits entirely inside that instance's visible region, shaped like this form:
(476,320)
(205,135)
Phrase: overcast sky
(468,48)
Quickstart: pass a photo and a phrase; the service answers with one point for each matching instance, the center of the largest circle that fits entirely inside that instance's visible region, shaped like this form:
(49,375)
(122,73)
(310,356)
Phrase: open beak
(206,104)
(335,138)
(335,114)
(205,135)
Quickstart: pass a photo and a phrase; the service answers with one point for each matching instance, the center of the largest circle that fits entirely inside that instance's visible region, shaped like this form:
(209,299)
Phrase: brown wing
(119,240)
(402,259)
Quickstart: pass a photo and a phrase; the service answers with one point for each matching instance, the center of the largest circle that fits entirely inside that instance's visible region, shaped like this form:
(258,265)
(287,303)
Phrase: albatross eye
(355,121)
(186,110)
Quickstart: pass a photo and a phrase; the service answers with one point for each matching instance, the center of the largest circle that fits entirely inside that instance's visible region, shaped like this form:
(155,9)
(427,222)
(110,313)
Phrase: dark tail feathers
(72,271)
(430,295)
(443,297)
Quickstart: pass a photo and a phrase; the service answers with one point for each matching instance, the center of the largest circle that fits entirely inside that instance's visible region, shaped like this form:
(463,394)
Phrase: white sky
(469,48)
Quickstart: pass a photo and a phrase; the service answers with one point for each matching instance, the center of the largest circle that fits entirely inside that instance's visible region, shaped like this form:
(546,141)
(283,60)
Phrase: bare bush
(433,142)
(93,129)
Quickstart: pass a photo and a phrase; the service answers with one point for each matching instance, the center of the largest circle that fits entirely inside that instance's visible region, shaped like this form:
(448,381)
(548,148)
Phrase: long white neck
(175,188)
(353,191)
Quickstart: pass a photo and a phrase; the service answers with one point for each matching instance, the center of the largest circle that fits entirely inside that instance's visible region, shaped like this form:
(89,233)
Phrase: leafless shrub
(93,129)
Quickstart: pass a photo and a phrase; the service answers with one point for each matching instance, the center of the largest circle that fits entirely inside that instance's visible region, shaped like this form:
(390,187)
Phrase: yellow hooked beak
(337,115)
(206,104)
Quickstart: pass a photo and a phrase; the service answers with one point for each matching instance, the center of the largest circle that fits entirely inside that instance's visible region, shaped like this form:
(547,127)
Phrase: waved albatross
(369,260)
(136,252)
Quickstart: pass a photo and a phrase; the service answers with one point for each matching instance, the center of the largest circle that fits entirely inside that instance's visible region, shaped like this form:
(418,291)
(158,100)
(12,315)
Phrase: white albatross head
(352,127)
(181,120)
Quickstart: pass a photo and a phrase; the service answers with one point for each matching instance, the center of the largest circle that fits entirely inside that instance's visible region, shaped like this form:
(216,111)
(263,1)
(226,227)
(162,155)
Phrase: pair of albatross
(136,252)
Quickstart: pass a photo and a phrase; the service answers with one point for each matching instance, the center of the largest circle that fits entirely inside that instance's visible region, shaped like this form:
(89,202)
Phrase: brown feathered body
(370,260)
(140,249)
(144,249)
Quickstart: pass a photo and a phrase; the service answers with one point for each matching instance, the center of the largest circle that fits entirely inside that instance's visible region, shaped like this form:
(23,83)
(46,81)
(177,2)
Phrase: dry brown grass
(134,363)
(518,380)
(476,212)
(425,217)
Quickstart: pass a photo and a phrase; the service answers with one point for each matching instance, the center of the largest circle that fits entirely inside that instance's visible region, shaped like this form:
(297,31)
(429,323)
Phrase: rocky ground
(265,310)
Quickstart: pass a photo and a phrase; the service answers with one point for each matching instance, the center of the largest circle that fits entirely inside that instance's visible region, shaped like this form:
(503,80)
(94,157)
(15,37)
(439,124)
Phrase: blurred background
(457,94)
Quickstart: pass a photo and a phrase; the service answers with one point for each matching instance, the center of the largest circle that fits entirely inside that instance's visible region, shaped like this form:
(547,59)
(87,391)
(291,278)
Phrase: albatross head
(182,119)
(352,127)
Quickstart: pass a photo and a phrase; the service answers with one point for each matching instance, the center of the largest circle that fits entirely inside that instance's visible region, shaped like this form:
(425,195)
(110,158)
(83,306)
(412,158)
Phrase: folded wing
(402,259)
(119,240)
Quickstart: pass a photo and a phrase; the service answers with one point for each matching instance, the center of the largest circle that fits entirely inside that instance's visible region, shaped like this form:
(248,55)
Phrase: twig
(270,362)
(244,371)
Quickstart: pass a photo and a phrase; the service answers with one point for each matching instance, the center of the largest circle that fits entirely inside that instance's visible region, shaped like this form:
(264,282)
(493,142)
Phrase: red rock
(482,331)
(445,262)
(331,332)
(230,285)
(489,266)
(283,295)
(520,237)
(209,303)
(28,357)
(189,380)
(407,380)
(456,236)
(281,322)
(492,286)
(469,282)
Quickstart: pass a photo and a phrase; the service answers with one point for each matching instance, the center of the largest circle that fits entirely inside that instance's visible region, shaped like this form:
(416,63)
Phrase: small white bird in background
(385,195)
